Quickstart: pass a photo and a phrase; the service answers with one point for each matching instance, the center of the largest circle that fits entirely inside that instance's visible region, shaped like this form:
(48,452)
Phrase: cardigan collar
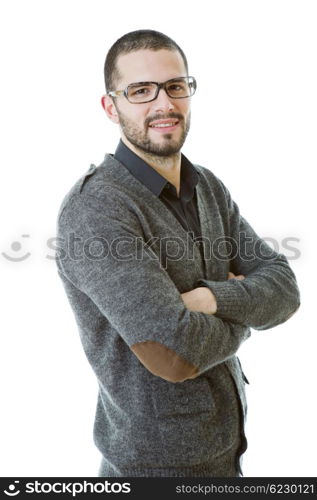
(152,179)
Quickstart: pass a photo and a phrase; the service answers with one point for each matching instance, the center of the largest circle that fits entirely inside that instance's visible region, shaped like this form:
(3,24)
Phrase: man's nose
(163,102)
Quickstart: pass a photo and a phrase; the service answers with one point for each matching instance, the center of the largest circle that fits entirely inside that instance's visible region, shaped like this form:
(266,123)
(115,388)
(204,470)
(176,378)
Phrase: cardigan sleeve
(269,295)
(102,252)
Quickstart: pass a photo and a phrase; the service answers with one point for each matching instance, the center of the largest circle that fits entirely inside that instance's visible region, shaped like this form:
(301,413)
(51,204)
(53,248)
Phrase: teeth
(163,125)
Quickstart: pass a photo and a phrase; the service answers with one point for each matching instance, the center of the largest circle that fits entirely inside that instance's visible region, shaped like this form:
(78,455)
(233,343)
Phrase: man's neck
(167,166)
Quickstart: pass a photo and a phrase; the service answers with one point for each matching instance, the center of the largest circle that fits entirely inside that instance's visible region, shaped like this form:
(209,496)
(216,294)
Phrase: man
(165,278)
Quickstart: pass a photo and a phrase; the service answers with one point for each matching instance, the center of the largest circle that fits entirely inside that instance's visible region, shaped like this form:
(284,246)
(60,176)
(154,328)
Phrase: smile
(164,125)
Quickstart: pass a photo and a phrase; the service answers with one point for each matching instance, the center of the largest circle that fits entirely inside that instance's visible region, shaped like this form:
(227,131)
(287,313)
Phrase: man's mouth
(167,125)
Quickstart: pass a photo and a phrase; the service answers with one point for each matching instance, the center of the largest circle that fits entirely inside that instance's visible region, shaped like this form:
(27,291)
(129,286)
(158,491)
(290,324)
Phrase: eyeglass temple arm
(115,93)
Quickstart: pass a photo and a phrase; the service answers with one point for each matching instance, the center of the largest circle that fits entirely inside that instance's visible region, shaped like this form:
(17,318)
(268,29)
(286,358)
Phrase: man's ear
(109,107)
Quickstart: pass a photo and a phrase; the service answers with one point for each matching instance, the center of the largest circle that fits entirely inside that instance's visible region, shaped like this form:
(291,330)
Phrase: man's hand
(202,299)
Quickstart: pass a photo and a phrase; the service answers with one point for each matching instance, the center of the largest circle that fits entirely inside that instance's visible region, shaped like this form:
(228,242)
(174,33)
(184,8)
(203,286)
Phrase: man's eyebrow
(142,83)
(152,81)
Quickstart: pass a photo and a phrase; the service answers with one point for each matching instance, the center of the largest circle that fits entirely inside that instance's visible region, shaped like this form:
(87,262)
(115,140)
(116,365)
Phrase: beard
(140,137)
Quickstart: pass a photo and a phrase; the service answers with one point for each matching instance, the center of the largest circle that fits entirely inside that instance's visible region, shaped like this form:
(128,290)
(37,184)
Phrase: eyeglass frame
(159,86)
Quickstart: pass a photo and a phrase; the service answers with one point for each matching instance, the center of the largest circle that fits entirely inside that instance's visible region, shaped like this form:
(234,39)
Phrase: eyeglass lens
(146,91)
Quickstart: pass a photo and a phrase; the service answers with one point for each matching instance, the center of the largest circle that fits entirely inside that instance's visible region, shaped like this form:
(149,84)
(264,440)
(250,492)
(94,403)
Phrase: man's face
(136,120)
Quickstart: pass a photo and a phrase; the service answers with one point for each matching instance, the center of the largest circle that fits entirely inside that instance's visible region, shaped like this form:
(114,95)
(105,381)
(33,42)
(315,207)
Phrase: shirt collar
(152,179)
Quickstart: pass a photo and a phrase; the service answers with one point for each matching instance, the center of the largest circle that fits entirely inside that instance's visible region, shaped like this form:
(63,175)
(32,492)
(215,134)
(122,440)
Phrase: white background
(253,125)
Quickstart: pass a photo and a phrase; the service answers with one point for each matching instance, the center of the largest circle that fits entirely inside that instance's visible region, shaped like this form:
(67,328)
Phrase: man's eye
(140,91)
(177,88)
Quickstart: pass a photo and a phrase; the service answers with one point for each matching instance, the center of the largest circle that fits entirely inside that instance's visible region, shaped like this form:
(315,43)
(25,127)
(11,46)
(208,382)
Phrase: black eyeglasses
(176,88)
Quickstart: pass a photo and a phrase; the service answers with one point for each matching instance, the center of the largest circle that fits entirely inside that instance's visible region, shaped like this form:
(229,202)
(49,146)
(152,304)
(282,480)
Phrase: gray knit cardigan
(171,387)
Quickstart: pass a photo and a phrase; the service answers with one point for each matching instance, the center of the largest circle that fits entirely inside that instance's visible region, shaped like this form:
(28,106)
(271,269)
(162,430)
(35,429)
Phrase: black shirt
(183,207)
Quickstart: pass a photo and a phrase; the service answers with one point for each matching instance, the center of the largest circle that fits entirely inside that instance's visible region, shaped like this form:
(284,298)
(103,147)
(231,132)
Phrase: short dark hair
(131,42)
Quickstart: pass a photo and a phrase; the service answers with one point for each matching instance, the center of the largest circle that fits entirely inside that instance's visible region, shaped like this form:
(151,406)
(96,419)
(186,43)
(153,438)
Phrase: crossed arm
(264,296)
(202,299)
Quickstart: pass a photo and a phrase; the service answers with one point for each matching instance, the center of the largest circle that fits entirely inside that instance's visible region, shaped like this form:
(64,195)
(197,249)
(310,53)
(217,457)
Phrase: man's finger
(237,277)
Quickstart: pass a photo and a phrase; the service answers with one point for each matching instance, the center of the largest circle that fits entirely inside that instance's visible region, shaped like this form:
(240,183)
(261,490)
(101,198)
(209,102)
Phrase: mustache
(178,116)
